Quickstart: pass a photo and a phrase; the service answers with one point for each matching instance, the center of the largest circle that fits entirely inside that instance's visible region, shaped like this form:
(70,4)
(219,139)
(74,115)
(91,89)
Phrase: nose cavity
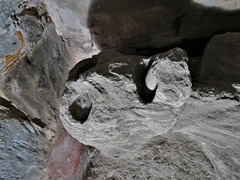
(145,93)
(81,108)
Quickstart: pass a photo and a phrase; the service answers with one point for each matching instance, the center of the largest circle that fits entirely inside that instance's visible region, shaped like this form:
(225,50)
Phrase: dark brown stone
(81,108)
(221,59)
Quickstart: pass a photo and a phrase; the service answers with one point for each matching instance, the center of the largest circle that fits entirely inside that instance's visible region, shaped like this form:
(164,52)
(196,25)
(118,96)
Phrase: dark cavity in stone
(81,108)
(139,74)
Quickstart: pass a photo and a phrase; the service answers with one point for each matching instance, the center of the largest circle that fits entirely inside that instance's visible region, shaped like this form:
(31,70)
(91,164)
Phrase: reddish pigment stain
(65,158)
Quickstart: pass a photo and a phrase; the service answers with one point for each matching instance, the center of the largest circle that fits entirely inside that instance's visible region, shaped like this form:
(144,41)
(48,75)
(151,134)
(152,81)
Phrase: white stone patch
(172,79)
(224,4)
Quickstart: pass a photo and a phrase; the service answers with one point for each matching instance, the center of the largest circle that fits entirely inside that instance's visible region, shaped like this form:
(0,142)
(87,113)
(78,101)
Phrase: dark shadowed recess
(17,113)
(139,74)
(81,67)
(81,108)
(148,27)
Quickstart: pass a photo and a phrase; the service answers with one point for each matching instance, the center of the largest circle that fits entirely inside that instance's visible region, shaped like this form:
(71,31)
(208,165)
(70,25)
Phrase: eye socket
(81,108)
(140,71)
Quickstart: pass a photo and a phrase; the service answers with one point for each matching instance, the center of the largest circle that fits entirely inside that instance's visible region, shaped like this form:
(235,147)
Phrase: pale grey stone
(120,121)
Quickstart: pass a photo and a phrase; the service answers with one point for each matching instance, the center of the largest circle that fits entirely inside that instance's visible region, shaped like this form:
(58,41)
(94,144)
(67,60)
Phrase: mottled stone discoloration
(34,76)
(9,60)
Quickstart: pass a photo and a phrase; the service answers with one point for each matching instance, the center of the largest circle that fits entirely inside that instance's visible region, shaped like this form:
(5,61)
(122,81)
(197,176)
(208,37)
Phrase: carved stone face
(119,119)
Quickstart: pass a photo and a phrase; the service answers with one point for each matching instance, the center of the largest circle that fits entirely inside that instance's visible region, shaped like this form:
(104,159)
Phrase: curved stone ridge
(119,122)
(10,57)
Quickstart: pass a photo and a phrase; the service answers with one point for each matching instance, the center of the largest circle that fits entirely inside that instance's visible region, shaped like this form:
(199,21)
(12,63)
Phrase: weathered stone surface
(221,59)
(64,158)
(174,156)
(21,145)
(171,77)
(138,26)
(181,134)
(34,66)
(119,120)
(7,7)
(144,119)
(71,20)
(202,143)
(33,75)
(9,45)
(214,124)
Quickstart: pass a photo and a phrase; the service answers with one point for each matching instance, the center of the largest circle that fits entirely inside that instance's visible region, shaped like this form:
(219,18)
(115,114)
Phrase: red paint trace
(65,158)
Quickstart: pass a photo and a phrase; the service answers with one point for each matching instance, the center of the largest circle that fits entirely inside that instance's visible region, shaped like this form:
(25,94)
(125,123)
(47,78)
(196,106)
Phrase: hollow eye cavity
(81,108)
(140,71)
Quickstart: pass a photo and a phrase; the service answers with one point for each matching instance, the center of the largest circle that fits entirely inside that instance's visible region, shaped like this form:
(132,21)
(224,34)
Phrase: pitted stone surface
(203,143)
(7,7)
(119,121)
(141,113)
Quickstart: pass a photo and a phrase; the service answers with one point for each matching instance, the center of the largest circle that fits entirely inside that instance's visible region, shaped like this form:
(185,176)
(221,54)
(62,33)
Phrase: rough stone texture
(64,158)
(9,45)
(21,154)
(181,134)
(173,156)
(214,123)
(203,144)
(199,139)
(119,120)
(71,20)
(33,76)
(145,121)
(7,7)
(34,66)
(139,26)
(88,26)
(221,59)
